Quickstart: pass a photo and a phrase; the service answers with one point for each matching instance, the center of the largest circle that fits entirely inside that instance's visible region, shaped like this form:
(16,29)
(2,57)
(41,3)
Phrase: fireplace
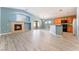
(17,26)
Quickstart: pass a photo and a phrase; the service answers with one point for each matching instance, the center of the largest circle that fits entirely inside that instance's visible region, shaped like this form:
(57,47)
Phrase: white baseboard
(10,32)
(5,33)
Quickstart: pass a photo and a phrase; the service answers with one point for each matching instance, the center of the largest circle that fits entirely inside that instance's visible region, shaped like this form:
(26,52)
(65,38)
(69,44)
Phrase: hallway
(38,40)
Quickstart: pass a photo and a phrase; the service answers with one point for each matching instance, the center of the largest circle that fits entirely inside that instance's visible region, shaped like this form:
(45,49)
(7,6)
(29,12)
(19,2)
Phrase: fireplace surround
(17,26)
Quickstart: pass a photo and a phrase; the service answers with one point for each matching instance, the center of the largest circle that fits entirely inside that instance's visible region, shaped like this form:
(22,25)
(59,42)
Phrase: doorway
(36,24)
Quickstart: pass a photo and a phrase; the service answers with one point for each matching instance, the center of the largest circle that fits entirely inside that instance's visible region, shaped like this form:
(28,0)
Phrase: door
(36,25)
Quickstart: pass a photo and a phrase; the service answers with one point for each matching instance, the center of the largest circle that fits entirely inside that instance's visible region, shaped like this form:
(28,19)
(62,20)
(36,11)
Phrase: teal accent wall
(0,20)
(8,15)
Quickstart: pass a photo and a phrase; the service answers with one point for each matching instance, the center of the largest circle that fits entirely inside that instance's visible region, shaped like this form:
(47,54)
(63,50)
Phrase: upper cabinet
(70,19)
(57,21)
(60,20)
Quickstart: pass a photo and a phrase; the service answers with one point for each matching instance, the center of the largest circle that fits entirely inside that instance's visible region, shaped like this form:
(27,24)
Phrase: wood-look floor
(38,40)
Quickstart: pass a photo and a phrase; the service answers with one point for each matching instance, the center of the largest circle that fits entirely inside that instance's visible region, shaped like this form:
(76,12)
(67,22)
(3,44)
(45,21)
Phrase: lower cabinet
(56,29)
(69,28)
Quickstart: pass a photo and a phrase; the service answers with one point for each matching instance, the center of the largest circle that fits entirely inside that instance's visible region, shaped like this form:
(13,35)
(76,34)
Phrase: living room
(39,28)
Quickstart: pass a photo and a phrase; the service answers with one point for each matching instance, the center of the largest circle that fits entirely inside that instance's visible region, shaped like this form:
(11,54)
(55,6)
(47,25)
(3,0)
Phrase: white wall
(75,26)
(78,22)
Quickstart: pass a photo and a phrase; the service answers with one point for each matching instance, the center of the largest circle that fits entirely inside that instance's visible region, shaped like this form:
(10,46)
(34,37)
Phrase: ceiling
(50,12)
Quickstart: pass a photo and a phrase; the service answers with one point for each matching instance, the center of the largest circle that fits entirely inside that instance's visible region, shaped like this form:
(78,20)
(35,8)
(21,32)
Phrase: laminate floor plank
(38,40)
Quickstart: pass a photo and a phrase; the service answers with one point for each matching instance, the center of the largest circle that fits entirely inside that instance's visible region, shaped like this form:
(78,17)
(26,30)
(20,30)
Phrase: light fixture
(46,22)
(60,10)
(49,22)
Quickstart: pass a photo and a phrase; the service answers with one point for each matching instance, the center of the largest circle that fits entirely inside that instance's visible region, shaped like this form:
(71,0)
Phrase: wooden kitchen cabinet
(66,22)
(70,19)
(70,29)
(57,21)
